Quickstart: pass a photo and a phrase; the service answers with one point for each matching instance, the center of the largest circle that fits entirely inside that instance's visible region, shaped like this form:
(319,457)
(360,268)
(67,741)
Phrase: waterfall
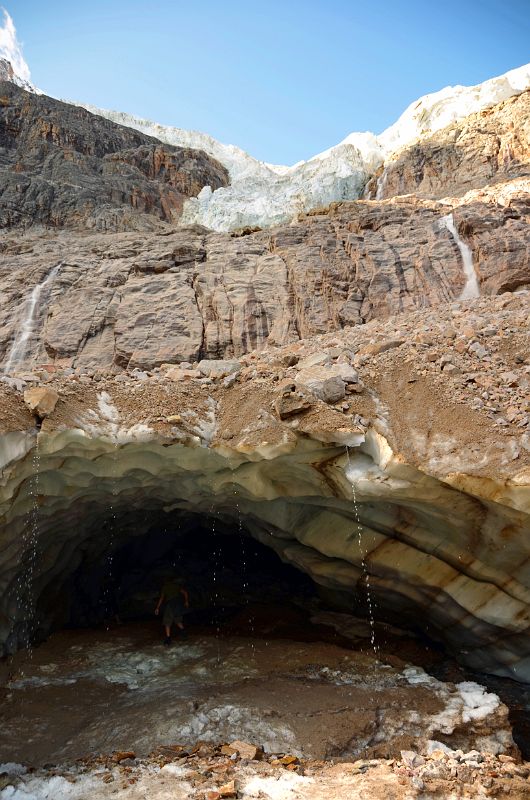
(30,315)
(471,288)
(381,183)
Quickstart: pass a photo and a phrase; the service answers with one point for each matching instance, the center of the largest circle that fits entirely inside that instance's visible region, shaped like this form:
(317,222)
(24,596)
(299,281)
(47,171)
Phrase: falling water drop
(24,586)
(215,587)
(108,587)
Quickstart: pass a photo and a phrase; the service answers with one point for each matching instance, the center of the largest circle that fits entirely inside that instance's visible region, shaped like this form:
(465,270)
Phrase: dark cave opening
(233,580)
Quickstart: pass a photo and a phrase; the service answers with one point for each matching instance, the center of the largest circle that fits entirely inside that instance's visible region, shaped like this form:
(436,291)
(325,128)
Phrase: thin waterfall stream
(471,288)
(30,315)
(381,183)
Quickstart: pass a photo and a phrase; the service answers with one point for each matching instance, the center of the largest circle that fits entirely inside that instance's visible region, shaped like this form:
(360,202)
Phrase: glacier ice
(11,53)
(262,194)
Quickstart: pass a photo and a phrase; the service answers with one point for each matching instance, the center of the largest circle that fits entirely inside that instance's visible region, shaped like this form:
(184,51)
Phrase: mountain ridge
(263,194)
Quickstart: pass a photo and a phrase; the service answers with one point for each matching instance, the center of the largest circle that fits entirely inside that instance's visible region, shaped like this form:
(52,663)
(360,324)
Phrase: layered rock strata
(487,147)
(126,300)
(61,165)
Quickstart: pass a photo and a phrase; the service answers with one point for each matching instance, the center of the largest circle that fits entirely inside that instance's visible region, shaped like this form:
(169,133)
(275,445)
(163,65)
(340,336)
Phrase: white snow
(262,194)
(285,787)
(466,702)
(105,423)
(11,50)
(478,703)
(152,783)
(435,111)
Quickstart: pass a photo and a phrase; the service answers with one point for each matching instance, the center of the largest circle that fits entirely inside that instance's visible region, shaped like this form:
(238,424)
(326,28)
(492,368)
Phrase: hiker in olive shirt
(175,599)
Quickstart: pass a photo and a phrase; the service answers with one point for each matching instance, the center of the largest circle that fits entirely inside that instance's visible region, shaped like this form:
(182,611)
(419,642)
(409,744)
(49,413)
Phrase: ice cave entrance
(234,582)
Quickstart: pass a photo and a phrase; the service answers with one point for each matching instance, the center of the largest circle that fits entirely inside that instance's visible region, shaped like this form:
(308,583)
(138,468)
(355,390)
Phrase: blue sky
(283,80)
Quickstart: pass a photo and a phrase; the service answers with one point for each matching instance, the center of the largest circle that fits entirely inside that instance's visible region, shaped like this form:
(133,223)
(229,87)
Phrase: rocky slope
(487,147)
(62,166)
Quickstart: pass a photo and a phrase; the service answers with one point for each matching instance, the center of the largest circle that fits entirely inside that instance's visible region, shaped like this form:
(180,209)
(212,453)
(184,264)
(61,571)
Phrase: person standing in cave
(175,599)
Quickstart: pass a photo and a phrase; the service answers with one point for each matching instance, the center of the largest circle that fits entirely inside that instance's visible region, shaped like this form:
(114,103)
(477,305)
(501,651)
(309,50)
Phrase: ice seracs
(262,194)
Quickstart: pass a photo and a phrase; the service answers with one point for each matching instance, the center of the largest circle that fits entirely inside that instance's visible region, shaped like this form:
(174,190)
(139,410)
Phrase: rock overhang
(445,558)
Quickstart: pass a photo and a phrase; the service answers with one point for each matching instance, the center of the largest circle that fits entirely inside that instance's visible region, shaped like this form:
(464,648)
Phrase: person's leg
(167,621)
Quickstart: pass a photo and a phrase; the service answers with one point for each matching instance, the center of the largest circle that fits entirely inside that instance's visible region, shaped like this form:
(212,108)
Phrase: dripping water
(366,574)
(245,581)
(471,288)
(24,586)
(110,589)
(30,315)
(216,555)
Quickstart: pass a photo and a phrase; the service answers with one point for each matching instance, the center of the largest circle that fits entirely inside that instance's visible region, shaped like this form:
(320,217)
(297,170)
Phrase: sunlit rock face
(487,147)
(447,555)
(126,300)
(62,166)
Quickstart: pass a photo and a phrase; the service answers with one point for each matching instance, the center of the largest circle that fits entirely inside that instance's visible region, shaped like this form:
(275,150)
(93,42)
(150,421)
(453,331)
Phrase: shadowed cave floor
(265,675)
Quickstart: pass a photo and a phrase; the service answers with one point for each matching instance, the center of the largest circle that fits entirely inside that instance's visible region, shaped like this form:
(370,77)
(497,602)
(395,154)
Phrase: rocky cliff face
(490,146)
(62,166)
(180,295)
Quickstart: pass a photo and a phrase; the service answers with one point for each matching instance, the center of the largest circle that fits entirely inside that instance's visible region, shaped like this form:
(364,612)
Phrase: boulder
(41,400)
(211,368)
(245,750)
(288,404)
(322,382)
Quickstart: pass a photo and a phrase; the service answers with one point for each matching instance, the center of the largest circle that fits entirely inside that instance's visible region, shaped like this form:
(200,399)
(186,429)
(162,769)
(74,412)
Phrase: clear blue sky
(283,80)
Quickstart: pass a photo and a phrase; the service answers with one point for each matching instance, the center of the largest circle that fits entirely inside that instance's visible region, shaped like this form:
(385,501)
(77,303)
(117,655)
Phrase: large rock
(322,382)
(41,400)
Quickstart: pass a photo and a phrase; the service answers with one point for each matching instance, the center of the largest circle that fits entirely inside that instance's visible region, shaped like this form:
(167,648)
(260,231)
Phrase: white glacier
(262,194)
(11,55)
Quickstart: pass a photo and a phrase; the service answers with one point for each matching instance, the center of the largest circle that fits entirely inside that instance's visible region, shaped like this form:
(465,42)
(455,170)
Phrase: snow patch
(478,703)
(11,50)
(224,722)
(466,703)
(285,787)
(105,423)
